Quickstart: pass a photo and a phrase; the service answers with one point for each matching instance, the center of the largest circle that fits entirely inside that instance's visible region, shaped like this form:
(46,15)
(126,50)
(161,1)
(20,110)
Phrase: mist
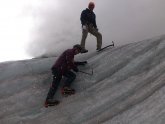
(57,23)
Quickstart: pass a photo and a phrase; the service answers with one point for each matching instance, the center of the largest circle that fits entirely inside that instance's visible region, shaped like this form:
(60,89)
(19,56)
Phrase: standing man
(88,21)
(62,67)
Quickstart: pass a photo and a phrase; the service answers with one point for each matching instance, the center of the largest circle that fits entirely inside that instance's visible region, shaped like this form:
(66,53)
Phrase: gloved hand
(84,27)
(84,63)
(80,63)
(75,69)
(97,29)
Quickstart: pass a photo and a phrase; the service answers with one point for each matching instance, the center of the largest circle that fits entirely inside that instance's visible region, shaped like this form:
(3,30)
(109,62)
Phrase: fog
(57,23)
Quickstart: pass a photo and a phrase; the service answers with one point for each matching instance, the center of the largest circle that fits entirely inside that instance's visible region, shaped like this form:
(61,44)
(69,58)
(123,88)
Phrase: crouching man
(62,67)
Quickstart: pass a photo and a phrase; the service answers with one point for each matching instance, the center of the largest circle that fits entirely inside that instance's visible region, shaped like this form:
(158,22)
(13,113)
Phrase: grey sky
(58,27)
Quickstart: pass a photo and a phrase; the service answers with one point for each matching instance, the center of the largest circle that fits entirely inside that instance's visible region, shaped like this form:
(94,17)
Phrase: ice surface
(127,87)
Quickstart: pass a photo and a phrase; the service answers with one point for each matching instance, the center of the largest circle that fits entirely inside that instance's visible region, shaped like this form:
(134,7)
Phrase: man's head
(91,6)
(77,48)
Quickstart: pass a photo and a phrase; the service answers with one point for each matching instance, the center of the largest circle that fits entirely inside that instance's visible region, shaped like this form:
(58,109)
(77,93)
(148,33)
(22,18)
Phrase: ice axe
(87,72)
(107,46)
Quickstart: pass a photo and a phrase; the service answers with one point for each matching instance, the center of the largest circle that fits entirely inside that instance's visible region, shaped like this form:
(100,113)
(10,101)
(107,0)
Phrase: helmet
(91,5)
(77,46)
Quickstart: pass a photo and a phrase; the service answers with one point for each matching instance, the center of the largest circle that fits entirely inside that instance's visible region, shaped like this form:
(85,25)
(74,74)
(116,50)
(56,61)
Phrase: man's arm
(80,63)
(94,21)
(83,18)
(70,61)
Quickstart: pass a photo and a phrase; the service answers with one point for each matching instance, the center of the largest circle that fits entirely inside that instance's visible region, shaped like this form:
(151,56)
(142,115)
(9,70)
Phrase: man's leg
(70,78)
(83,39)
(98,36)
(56,81)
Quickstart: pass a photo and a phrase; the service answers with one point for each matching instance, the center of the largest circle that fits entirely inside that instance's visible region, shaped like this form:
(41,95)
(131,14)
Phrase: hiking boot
(84,51)
(51,102)
(98,49)
(67,91)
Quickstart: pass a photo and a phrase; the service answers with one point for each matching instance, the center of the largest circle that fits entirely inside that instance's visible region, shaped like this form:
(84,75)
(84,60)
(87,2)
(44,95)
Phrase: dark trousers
(57,76)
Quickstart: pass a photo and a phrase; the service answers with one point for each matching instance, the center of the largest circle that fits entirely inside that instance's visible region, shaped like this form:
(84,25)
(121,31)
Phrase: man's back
(65,60)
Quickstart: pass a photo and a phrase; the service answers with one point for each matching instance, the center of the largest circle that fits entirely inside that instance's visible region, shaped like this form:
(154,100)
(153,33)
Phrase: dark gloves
(97,29)
(80,63)
(75,69)
(83,63)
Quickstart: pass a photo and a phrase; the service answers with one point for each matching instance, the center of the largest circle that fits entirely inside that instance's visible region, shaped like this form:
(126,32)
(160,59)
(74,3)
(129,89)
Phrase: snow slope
(127,87)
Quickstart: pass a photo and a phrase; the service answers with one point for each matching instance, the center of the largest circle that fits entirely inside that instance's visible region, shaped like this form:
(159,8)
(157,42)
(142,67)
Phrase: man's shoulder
(70,51)
(85,10)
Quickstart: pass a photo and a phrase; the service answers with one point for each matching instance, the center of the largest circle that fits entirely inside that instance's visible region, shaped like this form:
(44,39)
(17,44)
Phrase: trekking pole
(87,72)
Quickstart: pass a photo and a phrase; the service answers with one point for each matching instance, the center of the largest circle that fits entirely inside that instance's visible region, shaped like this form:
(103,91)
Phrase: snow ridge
(127,87)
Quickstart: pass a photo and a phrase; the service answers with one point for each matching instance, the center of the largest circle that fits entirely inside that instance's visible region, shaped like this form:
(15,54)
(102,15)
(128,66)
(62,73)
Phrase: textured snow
(127,87)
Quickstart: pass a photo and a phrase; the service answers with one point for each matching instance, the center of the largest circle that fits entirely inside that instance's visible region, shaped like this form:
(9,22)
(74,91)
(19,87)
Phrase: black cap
(77,46)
